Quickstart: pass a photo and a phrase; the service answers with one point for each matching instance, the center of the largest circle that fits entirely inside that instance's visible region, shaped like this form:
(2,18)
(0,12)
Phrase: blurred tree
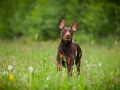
(25,18)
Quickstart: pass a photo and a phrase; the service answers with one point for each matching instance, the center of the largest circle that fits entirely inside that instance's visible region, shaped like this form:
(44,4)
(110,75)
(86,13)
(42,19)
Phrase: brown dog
(68,49)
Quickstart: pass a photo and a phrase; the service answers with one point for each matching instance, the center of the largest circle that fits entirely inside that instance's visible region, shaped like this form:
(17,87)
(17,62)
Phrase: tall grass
(32,66)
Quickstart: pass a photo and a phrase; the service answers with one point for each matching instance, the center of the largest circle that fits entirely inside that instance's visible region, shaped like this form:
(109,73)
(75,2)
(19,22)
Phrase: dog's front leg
(70,63)
(59,60)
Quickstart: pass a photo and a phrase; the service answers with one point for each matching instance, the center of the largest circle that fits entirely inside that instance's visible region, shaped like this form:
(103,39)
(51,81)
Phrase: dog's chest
(68,50)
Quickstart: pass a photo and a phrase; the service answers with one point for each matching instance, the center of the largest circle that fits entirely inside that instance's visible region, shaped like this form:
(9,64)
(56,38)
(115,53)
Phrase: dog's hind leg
(78,61)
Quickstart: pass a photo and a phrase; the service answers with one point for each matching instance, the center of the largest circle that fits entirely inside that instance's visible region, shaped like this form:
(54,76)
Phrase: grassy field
(32,66)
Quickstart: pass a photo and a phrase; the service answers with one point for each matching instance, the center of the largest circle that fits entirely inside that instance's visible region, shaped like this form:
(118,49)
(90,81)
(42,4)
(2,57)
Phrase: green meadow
(32,66)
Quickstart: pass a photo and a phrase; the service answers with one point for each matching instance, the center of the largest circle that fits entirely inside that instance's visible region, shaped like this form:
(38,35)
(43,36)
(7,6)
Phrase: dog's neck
(66,47)
(66,43)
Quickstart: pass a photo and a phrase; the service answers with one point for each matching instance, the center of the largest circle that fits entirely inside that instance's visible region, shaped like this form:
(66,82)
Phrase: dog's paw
(58,66)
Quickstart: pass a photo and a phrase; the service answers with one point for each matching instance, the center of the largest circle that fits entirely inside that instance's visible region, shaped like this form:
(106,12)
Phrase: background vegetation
(26,18)
(32,66)
(29,38)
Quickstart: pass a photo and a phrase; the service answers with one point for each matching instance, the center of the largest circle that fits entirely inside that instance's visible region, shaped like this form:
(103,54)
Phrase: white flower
(36,36)
(100,64)
(87,65)
(48,78)
(30,68)
(10,67)
(86,61)
(5,73)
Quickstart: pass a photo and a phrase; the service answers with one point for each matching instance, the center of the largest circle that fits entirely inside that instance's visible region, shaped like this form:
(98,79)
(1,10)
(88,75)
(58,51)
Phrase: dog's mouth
(67,39)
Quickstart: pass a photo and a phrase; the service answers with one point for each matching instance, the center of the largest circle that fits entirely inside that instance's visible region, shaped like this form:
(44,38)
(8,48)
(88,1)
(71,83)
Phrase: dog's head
(67,32)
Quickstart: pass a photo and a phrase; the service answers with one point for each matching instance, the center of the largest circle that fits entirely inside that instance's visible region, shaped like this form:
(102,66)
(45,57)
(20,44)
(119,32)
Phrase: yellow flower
(116,42)
(11,77)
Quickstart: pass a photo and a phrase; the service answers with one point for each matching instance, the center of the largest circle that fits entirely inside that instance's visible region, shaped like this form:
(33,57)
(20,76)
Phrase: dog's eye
(70,31)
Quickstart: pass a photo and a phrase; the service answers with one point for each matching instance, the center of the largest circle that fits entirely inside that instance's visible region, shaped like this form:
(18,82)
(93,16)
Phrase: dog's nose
(68,35)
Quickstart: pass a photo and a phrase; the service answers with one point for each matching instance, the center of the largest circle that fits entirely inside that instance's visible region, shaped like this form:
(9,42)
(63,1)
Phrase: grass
(32,66)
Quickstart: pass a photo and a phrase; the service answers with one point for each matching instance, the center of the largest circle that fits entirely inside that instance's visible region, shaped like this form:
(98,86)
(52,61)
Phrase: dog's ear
(74,25)
(62,23)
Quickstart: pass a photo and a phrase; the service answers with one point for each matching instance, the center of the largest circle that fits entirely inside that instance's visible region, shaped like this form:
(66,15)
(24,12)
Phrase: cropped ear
(62,23)
(74,25)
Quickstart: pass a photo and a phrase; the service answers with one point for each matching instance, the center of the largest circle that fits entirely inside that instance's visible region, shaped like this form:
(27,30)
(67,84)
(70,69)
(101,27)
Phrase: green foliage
(32,66)
(102,19)
(26,18)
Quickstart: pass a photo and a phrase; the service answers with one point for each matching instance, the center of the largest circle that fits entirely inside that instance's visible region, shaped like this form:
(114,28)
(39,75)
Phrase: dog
(68,49)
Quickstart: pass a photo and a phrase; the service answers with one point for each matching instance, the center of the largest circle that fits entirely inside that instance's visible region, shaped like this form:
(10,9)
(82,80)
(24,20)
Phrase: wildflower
(30,68)
(11,77)
(10,67)
(99,64)
(87,65)
(5,73)
(116,42)
(36,36)
(48,78)
(86,61)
